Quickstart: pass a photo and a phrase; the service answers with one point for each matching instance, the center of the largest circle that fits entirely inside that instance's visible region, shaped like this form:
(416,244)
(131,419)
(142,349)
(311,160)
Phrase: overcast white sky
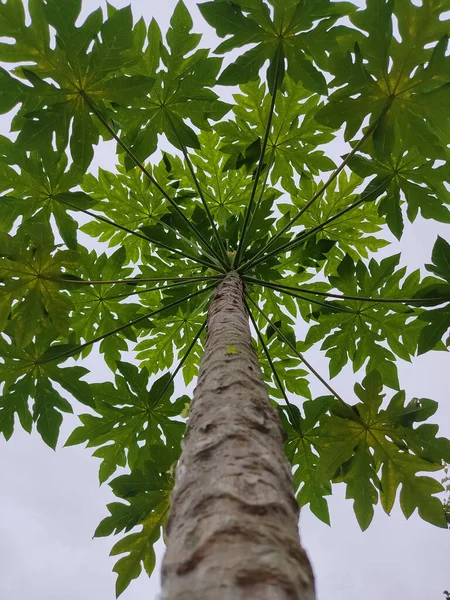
(51,503)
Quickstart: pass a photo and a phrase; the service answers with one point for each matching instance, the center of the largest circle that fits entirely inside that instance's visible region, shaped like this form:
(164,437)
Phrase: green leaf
(12,91)
(139,549)
(30,292)
(441,259)
(84,137)
(301,450)
(15,402)
(353,234)
(438,321)
(301,69)
(181,92)
(173,333)
(294,134)
(121,87)
(281,35)
(245,68)
(414,180)
(146,491)
(383,442)
(382,74)
(48,420)
(357,334)
(362,483)
(126,415)
(62,17)
(63,78)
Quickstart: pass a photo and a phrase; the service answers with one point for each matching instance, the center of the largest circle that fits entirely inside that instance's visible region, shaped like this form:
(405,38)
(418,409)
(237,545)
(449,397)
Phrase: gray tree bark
(232,532)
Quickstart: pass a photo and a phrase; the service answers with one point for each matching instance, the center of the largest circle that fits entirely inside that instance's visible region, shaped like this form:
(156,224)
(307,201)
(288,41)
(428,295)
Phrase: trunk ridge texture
(232,531)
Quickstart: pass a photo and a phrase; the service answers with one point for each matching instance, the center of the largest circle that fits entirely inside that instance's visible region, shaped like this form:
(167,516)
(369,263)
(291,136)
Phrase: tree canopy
(203,186)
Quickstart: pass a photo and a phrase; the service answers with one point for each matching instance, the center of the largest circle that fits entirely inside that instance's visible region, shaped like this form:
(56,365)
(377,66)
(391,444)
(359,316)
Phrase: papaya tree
(224,245)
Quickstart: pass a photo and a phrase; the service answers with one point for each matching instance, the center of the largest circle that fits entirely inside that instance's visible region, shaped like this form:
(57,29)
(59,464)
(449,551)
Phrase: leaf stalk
(259,168)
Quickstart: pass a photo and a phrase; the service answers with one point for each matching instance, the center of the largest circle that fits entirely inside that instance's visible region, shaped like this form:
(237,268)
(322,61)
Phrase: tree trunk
(232,531)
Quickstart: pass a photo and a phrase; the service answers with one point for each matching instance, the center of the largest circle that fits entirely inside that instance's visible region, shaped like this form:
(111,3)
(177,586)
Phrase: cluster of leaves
(33,372)
(249,186)
(359,329)
(129,414)
(371,448)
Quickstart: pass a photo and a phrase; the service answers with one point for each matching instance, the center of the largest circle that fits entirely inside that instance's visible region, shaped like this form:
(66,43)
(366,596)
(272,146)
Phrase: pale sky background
(51,503)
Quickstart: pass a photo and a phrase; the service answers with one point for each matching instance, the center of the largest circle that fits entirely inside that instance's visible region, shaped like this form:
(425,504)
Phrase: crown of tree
(129,260)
